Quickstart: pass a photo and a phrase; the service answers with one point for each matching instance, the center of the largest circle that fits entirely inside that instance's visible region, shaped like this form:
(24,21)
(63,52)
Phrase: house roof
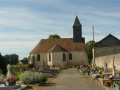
(55,45)
(24,61)
(77,22)
(109,40)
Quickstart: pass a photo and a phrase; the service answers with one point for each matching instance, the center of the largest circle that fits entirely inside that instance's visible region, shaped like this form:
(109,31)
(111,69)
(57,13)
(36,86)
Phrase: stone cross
(105,66)
(113,69)
(8,70)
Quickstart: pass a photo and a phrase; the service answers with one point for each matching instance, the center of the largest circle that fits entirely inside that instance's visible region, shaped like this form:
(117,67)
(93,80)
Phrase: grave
(11,87)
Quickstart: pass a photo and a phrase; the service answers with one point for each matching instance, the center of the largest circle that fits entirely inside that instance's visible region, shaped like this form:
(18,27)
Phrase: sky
(23,23)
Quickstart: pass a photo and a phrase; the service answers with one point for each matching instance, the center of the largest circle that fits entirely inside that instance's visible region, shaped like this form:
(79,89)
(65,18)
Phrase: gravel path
(70,79)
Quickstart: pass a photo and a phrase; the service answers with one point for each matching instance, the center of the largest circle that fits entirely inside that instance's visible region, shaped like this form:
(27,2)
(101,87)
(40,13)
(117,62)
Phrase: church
(61,52)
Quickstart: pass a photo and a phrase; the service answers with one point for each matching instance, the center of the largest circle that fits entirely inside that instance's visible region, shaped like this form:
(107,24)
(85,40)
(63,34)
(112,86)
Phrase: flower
(10,80)
(107,83)
(110,77)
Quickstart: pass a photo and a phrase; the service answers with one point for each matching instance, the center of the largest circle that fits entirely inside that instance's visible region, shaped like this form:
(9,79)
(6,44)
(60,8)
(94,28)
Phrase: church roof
(77,22)
(109,40)
(57,48)
(55,45)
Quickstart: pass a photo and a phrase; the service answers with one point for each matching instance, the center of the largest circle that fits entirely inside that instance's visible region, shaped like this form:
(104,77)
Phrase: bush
(29,77)
(30,65)
(1,79)
(64,67)
(17,74)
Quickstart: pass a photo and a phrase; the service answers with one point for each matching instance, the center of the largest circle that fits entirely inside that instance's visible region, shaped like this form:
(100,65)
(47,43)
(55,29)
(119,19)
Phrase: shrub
(30,65)
(29,77)
(17,74)
(64,67)
(1,79)
(69,66)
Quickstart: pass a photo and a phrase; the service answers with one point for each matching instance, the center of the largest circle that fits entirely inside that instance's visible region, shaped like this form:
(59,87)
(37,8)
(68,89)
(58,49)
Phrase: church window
(38,57)
(33,59)
(70,56)
(64,57)
(49,57)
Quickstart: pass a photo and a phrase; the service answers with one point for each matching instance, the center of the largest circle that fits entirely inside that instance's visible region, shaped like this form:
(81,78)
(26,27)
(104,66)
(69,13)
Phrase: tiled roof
(77,22)
(109,40)
(62,44)
(57,48)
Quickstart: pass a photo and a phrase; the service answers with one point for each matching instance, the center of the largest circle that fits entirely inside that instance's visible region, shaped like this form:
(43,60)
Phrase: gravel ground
(70,79)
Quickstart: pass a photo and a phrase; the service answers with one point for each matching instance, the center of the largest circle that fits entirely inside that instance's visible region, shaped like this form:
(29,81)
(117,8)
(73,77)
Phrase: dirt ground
(70,79)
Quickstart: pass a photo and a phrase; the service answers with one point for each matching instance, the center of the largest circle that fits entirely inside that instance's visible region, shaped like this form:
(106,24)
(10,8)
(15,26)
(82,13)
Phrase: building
(23,61)
(61,52)
(107,50)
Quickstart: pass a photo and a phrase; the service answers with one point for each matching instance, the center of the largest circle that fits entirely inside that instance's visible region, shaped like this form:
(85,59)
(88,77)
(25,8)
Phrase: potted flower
(108,83)
(88,72)
(9,81)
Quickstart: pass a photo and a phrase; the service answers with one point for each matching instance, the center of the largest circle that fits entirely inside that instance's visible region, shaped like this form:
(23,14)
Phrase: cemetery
(110,79)
(20,78)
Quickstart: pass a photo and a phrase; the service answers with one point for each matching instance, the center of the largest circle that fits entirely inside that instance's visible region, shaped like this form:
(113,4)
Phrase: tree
(3,64)
(89,46)
(11,59)
(54,36)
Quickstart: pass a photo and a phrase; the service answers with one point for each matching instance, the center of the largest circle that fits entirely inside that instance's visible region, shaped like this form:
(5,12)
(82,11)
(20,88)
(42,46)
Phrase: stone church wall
(108,54)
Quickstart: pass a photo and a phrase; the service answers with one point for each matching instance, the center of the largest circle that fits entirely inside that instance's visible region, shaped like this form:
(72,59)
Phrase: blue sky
(24,22)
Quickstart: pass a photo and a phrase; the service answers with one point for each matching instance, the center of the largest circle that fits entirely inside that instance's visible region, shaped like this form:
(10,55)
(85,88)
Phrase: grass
(20,65)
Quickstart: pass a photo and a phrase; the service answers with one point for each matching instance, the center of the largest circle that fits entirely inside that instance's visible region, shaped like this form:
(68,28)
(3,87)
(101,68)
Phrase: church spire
(77,22)
(77,31)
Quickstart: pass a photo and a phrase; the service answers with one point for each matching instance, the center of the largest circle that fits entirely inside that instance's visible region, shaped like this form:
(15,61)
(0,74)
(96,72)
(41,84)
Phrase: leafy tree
(89,46)
(11,59)
(25,58)
(3,64)
(54,36)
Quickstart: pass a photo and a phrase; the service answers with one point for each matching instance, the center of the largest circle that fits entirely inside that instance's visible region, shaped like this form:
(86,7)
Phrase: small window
(70,56)
(49,57)
(38,57)
(33,59)
(64,57)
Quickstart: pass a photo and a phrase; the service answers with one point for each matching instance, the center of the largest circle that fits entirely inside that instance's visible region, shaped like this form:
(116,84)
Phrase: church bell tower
(77,31)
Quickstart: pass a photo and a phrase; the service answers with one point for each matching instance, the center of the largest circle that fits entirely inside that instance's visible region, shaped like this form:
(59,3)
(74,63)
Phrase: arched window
(49,57)
(64,57)
(33,59)
(38,57)
(70,56)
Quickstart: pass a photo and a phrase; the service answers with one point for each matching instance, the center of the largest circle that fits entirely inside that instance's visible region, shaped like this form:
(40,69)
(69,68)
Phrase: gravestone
(105,66)
(113,69)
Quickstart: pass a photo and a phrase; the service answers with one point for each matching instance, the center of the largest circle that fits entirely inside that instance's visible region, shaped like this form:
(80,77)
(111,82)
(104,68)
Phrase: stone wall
(78,58)
(108,54)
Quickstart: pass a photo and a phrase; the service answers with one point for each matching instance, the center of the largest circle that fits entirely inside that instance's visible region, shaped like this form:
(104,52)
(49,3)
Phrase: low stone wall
(109,60)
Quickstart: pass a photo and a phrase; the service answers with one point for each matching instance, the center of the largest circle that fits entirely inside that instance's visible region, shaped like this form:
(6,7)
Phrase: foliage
(89,46)
(30,65)
(20,65)
(1,79)
(54,36)
(11,80)
(3,65)
(117,82)
(64,67)
(29,77)
(17,74)
(11,59)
